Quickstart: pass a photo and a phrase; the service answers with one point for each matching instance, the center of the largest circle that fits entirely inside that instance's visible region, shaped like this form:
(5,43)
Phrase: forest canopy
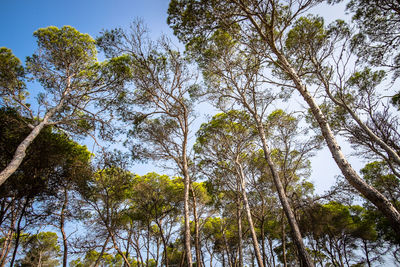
(230,113)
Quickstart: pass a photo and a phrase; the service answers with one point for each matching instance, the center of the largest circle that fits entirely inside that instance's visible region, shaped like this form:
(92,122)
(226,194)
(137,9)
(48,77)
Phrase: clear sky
(20,18)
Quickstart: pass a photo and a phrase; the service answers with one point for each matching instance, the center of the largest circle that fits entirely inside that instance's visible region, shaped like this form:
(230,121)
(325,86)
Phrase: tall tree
(74,84)
(160,105)
(41,249)
(263,27)
(235,76)
(224,143)
(51,161)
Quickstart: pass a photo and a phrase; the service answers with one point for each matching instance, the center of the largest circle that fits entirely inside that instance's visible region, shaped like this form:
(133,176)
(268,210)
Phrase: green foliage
(64,49)
(377,41)
(379,175)
(155,196)
(106,260)
(51,159)
(41,249)
(12,75)
(307,35)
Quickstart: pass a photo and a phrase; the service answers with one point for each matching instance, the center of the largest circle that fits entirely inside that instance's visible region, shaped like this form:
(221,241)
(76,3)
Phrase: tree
(75,84)
(41,249)
(156,200)
(377,41)
(224,144)
(106,198)
(160,105)
(235,75)
(263,27)
(51,161)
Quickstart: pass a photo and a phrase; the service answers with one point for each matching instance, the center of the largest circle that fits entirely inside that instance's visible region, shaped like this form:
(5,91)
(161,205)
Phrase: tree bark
(102,251)
(369,192)
(165,244)
(297,238)
(62,224)
(239,223)
(126,261)
(187,215)
(18,232)
(196,229)
(248,213)
(283,241)
(20,152)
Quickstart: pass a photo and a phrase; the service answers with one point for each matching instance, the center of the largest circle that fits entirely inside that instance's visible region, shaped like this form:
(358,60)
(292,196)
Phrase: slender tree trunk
(182,259)
(369,192)
(196,229)
(264,254)
(239,223)
(20,152)
(165,244)
(148,245)
(283,241)
(62,224)
(103,248)
(366,253)
(9,237)
(6,247)
(248,213)
(137,248)
(129,242)
(18,232)
(272,252)
(118,249)
(297,238)
(186,210)
(228,251)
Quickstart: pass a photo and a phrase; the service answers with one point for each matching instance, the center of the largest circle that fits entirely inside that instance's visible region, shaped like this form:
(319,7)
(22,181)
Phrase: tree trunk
(239,223)
(369,192)
(102,251)
(248,213)
(283,242)
(20,152)
(366,253)
(6,246)
(297,238)
(165,244)
(118,250)
(9,237)
(62,224)
(196,229)
(186,177)
(18,232)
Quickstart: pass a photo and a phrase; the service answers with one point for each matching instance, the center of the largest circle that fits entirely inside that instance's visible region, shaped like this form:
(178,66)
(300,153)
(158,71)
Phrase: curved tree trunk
(18,232)
(20,152)
(126,261)
(103,249)
(369,192)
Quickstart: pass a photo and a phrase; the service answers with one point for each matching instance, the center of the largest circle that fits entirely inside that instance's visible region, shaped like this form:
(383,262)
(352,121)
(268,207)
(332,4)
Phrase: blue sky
(20,18)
